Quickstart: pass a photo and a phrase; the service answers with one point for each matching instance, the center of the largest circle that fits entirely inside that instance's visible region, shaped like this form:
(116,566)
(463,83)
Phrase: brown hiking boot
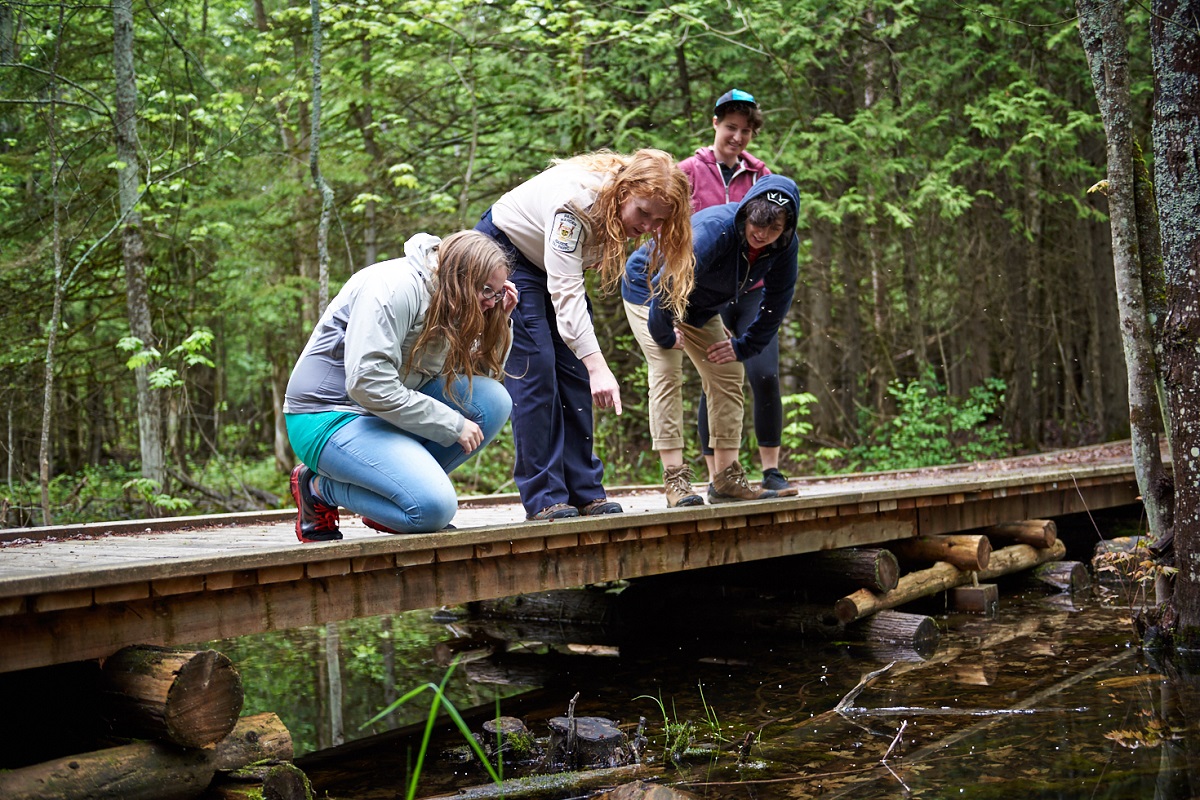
(730,486)
(678,481)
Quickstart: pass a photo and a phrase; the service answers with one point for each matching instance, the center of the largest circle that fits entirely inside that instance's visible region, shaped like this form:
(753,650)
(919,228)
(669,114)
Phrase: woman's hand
(721,352)
(606,392)
(509,302)
(471,436)
(678,340)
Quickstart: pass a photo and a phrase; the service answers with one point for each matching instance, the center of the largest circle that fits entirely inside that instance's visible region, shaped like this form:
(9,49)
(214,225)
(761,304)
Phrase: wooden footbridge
(73,593)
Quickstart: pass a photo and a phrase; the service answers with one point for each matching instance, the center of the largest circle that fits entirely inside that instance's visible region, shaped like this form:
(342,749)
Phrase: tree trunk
(333,663)
(1176,47)
(44,469)
(314,165)
(1105,41)
(133,248)
(365,114)
(820,374)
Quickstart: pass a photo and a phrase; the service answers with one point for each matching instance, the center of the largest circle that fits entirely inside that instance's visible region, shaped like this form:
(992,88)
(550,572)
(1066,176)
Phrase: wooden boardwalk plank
(85,591)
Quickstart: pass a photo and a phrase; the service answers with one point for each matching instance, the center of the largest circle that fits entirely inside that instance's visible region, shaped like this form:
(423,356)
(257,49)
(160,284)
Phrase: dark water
(1049,698)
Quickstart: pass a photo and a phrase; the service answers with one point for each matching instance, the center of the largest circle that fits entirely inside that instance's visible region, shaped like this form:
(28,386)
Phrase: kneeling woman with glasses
(399,385)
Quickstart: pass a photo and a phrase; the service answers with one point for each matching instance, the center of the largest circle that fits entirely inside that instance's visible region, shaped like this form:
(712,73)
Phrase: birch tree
(1105,41)
(133,248)
(56,314)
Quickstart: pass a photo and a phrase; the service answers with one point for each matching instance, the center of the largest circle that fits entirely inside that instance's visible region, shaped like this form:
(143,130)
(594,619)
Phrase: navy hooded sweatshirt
(724,273)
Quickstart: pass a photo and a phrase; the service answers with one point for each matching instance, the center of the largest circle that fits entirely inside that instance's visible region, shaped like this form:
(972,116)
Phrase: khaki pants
(722,383)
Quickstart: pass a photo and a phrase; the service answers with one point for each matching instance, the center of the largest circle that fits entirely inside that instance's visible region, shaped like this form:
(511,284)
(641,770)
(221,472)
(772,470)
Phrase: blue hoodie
(723,272)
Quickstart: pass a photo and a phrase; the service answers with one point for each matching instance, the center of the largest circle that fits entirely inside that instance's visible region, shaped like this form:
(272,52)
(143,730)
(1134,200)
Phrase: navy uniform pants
(552,397)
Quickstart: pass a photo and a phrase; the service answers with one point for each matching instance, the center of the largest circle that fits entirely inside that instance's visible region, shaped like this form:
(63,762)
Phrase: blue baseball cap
(734,96)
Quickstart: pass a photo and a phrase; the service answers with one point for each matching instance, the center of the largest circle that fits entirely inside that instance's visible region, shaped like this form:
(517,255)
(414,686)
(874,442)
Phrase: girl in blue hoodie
(736,247)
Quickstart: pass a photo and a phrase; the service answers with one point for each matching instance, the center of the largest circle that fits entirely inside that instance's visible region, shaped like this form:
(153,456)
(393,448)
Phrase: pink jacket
(708,189)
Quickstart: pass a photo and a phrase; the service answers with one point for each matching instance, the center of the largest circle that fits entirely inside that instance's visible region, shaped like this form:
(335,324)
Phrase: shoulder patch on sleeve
(565,233)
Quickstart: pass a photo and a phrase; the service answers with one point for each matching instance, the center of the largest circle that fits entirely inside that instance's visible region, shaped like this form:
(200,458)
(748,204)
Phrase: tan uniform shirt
(541,218)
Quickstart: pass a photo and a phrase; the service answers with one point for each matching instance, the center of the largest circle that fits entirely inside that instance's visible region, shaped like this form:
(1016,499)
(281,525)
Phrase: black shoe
(556,511)
(774,479)
(315,521)
(601,506)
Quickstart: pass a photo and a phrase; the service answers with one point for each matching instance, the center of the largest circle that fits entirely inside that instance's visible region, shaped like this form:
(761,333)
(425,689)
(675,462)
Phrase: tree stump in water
(587,742)
(509,738)
(189,698)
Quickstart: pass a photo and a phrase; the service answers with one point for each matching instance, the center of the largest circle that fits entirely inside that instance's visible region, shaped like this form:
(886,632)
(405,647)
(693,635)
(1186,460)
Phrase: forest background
(956,295)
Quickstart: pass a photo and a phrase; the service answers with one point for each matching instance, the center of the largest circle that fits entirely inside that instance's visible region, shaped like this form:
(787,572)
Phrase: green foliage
(948,149)
(99,492)
(148,490)
(678,736)
(931,427)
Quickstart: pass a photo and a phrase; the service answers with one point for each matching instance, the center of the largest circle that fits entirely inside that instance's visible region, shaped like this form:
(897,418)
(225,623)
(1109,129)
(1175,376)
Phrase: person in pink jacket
(724,173)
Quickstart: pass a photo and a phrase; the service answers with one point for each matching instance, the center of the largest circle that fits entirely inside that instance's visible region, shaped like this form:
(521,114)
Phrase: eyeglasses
(488,293)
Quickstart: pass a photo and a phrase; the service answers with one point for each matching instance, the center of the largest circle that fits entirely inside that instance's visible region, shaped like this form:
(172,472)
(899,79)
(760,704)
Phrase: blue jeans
(397,478)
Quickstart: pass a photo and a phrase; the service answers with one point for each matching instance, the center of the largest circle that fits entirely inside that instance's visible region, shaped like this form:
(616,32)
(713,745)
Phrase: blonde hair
(645,173)
(477,340)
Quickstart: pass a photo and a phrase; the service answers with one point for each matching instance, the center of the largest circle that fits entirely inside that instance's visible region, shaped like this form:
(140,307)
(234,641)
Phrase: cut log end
(189,698)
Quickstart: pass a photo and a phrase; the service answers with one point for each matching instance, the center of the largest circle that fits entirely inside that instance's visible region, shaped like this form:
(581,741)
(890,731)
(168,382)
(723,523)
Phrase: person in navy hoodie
(737,246)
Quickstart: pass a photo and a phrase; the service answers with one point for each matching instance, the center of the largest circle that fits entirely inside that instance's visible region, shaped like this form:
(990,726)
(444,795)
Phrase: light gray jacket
(356,358)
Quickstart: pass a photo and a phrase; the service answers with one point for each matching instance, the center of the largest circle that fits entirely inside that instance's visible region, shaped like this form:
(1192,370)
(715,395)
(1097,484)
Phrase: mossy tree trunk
(1175,39)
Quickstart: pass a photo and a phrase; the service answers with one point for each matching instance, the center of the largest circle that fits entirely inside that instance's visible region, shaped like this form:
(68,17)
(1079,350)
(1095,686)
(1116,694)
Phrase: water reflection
(326,682)
(1047,699)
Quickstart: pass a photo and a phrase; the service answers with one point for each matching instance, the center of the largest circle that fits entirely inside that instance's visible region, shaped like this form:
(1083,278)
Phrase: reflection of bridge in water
(82,592)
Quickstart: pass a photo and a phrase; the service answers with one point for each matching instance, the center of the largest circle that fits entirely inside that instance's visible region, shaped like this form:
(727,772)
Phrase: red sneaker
(315,521)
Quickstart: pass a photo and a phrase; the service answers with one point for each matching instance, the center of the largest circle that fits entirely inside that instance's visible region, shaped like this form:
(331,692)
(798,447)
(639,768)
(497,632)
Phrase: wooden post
(965,551)
(976,598)
(871,568)
(148,770)
(1033,532)
(190,698)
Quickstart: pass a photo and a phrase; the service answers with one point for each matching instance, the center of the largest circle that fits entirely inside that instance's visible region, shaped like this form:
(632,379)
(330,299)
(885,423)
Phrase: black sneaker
(774,479)
(316,521)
